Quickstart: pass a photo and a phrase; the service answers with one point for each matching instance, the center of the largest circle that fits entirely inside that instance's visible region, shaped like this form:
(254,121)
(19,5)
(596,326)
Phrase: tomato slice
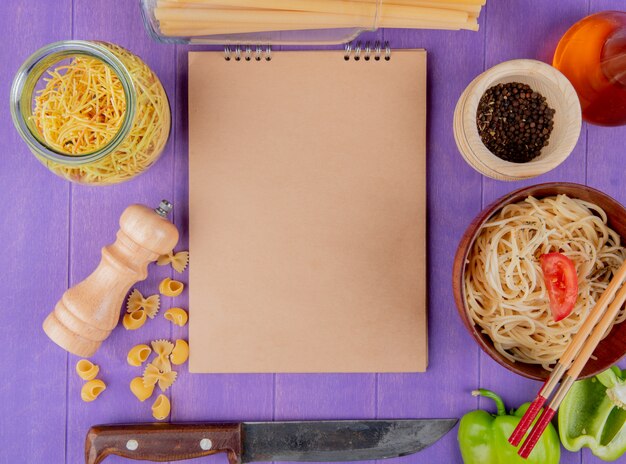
(559,273)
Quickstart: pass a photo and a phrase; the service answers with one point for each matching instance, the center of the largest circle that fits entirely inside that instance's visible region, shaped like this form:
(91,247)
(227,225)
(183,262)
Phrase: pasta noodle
(134,320)
(504,287)
(91,390)
(81,110)
(150,305)
(179,261)
(169,287)
(153,375)
(138,354)
(162,349)
(180,353)
(86,370)
(177,316)
(161,407)
(140,390)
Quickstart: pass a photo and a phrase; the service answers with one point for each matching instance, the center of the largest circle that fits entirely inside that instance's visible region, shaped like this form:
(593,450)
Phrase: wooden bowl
(560,95)
(612,348)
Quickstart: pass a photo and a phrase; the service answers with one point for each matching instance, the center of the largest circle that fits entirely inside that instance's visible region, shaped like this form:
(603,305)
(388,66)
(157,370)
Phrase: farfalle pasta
(92,389)
(170,287)
(136,302)
(140,390)
(177,316)
(87,370)
(138,354)
(134,320)
(162,349)
(180,353)
(161,407)
(178,260)
(152,375)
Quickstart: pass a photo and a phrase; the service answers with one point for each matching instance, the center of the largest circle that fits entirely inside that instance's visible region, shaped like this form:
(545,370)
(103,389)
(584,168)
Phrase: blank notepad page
(307,213)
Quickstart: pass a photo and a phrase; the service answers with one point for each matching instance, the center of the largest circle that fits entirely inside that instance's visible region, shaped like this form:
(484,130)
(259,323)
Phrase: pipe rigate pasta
(162,349)
(132,321)
(92,389)
(161,407)
(152,375)
(86,370)
(138,354)
(141,391)
(177,316)
(150,305)
(180,353)
(178,260)
(169,287)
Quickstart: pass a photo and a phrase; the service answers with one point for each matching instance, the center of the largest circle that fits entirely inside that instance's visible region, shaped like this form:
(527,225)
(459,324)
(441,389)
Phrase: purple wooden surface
(53,233)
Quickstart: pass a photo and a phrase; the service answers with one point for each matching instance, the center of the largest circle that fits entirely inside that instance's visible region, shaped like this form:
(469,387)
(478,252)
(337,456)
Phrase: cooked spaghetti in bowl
(501,289)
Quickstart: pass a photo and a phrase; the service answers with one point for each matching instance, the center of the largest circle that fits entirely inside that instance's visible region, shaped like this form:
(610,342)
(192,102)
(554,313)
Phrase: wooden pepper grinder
(88,312)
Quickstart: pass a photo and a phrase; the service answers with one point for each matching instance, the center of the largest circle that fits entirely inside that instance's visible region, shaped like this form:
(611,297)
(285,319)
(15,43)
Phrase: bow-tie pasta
(178,261)
(162,349)
(150,305)
(152,375)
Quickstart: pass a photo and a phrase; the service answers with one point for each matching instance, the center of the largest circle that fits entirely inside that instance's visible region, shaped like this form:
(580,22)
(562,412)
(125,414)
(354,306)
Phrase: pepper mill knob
(88,312)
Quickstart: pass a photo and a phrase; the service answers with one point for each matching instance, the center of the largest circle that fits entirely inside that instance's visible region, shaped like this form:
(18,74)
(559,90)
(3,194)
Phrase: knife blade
(306,441)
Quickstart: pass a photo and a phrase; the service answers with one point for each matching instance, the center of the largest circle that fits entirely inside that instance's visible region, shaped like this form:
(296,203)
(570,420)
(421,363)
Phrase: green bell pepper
(483,437)
(592,415)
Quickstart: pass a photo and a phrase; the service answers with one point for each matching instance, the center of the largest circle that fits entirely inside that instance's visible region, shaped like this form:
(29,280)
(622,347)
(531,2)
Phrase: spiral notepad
(307,210)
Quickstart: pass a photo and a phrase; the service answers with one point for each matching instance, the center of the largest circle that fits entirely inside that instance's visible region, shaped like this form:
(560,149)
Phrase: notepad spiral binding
(237,53)
(356,52)
(367,51)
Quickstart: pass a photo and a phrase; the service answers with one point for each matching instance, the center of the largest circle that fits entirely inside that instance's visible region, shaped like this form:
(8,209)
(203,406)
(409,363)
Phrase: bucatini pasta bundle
(195,18)
(505,289)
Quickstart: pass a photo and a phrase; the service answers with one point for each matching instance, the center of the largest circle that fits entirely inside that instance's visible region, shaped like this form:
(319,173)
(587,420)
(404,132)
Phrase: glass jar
(144,122)
(592,55)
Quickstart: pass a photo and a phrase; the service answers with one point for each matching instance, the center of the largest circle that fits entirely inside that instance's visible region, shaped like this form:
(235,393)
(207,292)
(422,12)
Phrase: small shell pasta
(134,320)
(161,407)
(162,349)
(150,305)
(180,353)
(178,261)
(177,316)
(153,375)
(87,370)
(92,389)
(169,287)
(141,391)
(138,354)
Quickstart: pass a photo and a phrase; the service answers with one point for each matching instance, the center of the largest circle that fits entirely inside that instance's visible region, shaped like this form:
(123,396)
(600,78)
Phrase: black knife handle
(163,442)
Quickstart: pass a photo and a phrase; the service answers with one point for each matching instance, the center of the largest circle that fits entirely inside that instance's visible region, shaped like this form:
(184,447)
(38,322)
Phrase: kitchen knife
(344,440)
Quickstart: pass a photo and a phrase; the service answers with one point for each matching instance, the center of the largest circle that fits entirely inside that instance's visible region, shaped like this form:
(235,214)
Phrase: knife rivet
(206,444)
(132,445)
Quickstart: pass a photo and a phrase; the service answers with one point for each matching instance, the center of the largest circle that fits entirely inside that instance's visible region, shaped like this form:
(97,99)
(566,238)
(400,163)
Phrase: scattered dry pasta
(135,320)
(169,287)
(161,407)
(180,353)
(138,354)
(153,375)
(179,261)
(162,349)
(92,389)
(177,316)
(140,390)
(86,370)
(150,305)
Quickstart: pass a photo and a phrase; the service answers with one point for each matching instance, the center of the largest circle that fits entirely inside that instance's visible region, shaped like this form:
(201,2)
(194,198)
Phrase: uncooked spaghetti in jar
(92,112)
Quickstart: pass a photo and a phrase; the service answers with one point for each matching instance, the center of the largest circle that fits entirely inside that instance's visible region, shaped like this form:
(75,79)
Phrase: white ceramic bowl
(560,95)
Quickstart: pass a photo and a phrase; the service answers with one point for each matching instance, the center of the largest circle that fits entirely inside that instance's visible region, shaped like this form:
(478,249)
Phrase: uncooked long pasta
(504,286)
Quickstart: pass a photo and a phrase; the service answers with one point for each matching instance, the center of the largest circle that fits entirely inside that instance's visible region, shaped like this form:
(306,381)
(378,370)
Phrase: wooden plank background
(53,232)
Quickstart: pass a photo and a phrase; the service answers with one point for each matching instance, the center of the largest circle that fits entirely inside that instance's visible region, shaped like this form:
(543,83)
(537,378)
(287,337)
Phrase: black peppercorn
(514,122)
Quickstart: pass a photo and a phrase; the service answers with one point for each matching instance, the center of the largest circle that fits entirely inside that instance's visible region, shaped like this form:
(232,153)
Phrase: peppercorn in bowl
(517,120)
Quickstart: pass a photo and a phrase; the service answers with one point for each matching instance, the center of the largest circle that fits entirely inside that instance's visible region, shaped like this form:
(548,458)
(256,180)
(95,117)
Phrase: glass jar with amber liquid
(592,54)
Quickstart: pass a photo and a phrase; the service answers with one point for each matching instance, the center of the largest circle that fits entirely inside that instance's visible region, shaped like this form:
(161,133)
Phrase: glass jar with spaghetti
(91,112)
